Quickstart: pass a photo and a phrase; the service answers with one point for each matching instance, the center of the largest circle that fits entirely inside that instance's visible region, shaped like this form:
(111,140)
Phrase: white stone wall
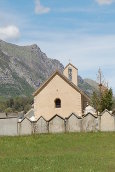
(107,121)
(12,127)
(25,127)
(90,123)
(41,126)
(57,125)
(8,127)
(73,123)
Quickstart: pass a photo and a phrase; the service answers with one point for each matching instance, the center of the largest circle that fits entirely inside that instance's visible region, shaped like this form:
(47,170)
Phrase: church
(60,95)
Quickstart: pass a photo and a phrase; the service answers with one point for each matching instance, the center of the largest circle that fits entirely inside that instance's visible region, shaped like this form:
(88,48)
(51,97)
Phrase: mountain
(24,68)
(87,86)
(92,83)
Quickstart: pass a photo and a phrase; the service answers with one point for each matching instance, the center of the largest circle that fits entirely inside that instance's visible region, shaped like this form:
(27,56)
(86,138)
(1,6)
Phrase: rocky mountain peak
(34,46)
(24,68)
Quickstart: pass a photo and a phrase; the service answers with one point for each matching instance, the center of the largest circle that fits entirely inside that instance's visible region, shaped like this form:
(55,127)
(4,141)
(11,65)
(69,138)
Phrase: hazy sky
(80,30)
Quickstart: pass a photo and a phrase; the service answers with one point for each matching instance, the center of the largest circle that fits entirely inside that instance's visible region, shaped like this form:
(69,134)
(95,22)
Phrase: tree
(8,110)
(107,100)
(27,108)
(95,101)
(17,104)
(113,107)
(103,102)
(103,98)
(2,106)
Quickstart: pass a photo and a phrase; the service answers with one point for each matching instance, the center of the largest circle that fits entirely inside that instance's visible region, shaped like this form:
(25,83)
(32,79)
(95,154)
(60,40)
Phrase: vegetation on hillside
(17,104)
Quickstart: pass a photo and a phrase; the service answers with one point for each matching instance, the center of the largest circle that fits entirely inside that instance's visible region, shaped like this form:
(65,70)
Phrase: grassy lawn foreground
(80,152)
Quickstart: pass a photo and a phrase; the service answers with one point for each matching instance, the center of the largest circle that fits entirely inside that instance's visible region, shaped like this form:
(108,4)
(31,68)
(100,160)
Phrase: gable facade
(57,88)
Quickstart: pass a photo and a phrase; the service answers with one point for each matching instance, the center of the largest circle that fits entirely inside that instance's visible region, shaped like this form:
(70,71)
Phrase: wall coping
(77,116)
(39,119)
(9,118)
(90,114)
(24,119)
(55,116)
(104,112)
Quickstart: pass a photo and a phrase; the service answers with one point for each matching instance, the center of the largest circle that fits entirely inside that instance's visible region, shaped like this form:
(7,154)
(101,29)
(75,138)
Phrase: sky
(78,31)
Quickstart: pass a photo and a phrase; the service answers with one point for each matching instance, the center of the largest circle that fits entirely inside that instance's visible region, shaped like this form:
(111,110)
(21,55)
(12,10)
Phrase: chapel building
(60,95)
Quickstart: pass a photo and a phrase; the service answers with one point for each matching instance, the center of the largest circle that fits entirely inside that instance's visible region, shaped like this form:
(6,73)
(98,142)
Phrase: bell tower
(71,72)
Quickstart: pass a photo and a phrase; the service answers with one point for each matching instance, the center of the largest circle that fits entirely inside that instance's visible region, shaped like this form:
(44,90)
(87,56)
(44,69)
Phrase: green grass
(80,152)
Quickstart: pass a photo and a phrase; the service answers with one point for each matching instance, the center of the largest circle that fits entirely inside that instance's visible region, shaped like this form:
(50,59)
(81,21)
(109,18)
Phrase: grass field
(80,152)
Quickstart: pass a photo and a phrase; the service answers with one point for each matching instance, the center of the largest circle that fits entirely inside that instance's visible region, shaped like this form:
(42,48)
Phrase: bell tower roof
(69,64)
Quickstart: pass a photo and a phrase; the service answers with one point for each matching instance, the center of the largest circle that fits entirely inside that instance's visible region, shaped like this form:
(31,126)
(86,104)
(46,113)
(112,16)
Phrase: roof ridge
(71,65)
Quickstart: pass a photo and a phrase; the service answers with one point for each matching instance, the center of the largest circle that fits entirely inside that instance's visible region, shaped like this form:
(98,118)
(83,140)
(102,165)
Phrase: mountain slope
(93,83)
(24,68)
(87,87)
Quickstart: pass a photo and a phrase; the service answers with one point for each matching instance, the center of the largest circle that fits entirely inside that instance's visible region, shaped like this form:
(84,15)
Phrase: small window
(70,74)
(57,103)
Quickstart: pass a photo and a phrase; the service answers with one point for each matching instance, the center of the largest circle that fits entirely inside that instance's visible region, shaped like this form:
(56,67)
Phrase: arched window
(57,103)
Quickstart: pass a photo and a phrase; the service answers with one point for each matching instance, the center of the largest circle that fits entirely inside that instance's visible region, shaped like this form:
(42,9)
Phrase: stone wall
(40,126)
(25,127)
(90,123)
(73,123)
(107,121)
(56,124)
(8,127)
(12,126)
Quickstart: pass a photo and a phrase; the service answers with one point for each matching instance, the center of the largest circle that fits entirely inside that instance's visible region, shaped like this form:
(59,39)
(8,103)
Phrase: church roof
(65,79)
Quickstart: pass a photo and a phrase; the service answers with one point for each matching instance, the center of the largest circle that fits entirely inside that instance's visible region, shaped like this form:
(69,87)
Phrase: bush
(9,110)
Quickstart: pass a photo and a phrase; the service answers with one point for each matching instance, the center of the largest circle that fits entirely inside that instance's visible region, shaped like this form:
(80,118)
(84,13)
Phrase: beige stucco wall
(107,122)
(74,74)
(57,88)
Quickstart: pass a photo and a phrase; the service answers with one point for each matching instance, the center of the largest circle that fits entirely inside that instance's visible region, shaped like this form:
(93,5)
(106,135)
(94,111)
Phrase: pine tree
(103,99)
(95,101)
(107,100)
(103,102)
